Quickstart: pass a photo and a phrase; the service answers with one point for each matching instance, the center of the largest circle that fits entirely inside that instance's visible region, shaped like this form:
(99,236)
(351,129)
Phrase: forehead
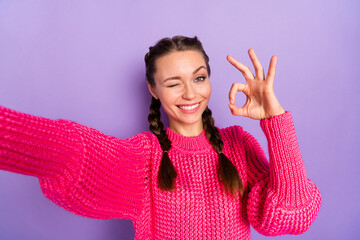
(180,62)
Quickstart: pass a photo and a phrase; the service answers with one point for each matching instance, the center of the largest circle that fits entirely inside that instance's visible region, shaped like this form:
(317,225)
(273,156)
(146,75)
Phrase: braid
(167,172)
(227,172)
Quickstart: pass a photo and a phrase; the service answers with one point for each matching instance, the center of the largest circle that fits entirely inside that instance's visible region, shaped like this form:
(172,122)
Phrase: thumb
(238,111)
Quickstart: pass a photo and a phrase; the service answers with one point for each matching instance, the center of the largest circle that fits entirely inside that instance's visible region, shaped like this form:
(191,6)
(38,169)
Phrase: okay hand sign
(261,101)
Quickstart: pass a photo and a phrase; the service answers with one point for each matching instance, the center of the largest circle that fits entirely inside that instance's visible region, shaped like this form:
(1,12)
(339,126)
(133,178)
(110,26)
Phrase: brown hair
(227,172)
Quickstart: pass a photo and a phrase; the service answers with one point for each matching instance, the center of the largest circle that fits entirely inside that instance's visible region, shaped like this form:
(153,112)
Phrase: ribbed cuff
(287,173)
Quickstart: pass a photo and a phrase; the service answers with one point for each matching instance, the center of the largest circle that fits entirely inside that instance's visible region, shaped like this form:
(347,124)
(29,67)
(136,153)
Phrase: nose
(189,92)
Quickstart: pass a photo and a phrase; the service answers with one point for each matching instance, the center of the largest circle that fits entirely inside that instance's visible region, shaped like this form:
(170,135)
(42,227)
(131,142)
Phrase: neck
(191,130)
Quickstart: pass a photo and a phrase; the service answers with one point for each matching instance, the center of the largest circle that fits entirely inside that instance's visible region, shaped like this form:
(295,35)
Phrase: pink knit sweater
(99,176)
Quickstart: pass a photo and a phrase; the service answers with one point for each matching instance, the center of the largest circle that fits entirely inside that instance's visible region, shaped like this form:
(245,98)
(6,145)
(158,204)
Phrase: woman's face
(182,85)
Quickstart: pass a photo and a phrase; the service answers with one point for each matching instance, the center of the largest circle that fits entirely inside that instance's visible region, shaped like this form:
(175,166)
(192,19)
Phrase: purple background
(83,61)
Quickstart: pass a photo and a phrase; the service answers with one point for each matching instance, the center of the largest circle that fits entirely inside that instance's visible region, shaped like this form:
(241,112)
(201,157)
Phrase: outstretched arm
(80,168)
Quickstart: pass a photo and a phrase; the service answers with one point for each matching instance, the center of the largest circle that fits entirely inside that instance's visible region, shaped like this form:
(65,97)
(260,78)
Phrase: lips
(189,107)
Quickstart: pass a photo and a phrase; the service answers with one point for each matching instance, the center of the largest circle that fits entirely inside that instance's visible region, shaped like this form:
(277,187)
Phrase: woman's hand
(261,101)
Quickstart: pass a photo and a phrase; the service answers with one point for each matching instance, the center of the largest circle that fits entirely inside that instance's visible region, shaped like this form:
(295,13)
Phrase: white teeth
(189,107)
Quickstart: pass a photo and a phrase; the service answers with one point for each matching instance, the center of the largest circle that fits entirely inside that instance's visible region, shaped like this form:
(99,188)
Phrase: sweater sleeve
(282,200)
(79,168)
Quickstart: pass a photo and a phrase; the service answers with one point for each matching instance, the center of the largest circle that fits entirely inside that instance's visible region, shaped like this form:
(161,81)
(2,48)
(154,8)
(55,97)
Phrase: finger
(235,87)
(271,73)
(241,67)
(259,70)
(239,111)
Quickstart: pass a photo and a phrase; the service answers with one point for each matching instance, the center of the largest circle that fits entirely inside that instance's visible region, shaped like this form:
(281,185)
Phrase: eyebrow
(177,77)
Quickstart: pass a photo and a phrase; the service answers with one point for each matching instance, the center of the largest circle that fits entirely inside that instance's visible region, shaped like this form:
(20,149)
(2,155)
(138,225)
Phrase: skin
(261,101)
(181,79)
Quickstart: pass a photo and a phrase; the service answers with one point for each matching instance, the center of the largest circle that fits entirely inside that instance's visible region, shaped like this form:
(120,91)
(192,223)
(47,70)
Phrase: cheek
(205,90)
(168,97)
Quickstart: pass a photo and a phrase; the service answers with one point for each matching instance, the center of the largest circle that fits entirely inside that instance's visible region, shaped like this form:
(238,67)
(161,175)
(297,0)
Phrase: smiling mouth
(189,107)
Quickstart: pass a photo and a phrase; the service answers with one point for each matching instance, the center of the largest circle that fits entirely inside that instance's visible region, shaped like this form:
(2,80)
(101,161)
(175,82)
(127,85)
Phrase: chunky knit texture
(99,176)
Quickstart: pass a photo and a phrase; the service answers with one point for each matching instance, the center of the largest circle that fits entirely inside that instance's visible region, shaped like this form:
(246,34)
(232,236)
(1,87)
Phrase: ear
(151,90)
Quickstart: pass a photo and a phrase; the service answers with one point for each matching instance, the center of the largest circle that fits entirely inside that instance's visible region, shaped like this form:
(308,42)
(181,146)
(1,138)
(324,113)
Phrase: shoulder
(235,135)
(141,143)
(231,131)
(144,138)
(232,135)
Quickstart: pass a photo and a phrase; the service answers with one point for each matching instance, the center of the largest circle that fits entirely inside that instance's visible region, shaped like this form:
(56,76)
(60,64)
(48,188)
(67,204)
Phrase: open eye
(200,79)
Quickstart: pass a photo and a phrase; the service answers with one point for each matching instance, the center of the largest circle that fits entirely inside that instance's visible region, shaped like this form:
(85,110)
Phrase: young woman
(190,180)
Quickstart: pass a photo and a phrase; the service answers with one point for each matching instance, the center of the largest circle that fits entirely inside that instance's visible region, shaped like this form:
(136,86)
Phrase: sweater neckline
(196,143)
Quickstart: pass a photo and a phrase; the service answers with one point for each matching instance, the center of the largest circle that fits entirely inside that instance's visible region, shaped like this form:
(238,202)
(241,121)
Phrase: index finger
(235,87)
